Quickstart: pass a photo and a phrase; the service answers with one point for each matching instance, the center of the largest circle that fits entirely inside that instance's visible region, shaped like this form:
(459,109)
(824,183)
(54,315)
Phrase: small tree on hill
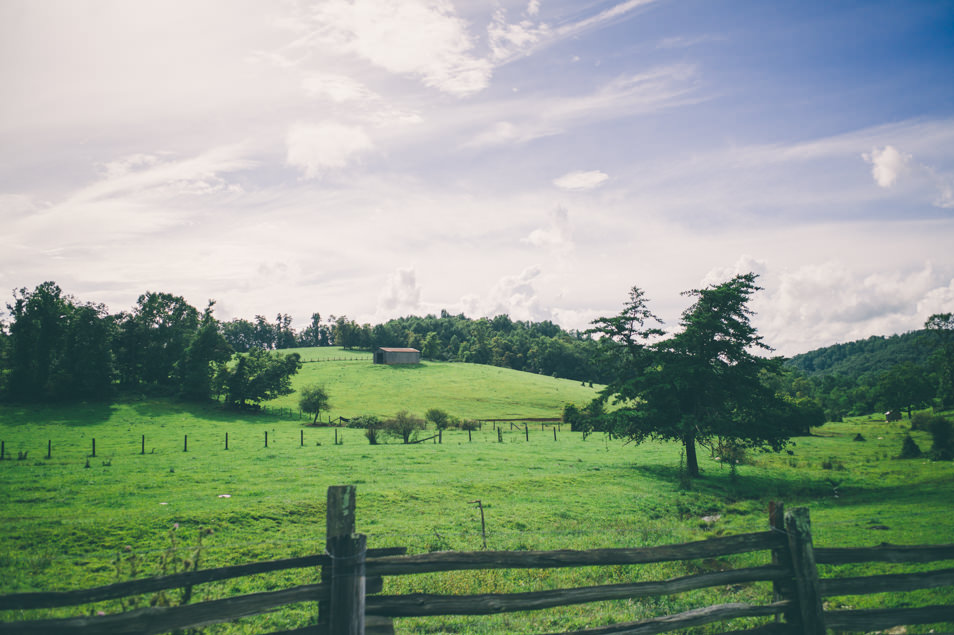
(313,399)
(403,425)
(438,417)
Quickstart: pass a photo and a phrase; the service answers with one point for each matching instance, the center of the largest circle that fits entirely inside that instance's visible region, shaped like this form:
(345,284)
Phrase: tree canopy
(700,384)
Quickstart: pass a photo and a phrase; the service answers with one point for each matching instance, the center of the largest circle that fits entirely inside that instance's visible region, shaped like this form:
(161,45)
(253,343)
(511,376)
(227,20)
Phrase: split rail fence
(351,580)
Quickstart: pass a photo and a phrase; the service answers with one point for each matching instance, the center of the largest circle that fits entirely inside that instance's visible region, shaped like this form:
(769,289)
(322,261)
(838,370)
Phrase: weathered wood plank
(884,552)
(461,560)
(347,584)
(377,625)
(887,583)
(687,619)
(339,523)
(155,620)
(781,589)
(799,529)
(53,599)
(877,619)
(421,604)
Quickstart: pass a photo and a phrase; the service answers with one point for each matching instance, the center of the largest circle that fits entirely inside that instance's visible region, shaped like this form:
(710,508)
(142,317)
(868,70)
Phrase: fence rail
(350,583)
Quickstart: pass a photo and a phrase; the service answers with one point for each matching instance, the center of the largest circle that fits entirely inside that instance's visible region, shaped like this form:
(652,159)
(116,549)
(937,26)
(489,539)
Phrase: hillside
(475,391)
(871,355)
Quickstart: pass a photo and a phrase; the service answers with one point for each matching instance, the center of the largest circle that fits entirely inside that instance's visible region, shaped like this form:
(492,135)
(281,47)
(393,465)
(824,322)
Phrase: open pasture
(64,524)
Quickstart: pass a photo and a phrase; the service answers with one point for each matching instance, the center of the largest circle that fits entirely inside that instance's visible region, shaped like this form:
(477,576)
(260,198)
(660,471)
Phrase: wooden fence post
(343,609)
(780,556)
(798,525)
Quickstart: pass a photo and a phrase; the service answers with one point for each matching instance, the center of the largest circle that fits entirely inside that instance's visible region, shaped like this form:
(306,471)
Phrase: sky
(379,158)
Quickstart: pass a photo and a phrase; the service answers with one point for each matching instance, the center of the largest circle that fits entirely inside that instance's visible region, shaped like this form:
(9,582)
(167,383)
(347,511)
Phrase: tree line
(55,348)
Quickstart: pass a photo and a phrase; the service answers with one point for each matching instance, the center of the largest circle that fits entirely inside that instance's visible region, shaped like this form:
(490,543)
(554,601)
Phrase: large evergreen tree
(700,384)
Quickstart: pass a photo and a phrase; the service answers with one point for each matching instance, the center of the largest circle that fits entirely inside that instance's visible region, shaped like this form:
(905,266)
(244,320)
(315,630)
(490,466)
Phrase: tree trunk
(317,412)
(692,465)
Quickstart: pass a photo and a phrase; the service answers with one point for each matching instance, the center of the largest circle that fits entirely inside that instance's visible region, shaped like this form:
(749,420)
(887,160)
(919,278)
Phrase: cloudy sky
(379,158)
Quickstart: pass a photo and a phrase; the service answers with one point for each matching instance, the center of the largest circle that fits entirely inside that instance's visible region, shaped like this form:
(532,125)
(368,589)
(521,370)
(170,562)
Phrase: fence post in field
(49,448)
(809,613)
(780,556)
(344,607)
(94,447)
(143,444)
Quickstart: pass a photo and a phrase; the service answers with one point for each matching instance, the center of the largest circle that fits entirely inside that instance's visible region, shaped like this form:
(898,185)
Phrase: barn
(397,356)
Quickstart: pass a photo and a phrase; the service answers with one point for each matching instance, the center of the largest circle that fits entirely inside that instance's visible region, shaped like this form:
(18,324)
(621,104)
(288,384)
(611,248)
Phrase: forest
(54,348)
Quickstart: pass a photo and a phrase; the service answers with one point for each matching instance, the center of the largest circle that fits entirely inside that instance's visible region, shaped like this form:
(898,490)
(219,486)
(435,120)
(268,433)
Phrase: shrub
(403,425)
(469,424)
(921,420)
(364,422)
(942,435)
(909,449)
(438,417)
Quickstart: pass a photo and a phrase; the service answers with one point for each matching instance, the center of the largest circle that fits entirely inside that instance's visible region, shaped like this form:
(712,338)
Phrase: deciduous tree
(313,399)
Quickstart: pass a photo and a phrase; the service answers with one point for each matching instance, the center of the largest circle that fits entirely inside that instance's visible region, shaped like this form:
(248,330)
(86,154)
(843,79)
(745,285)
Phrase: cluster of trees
(878,374)
(58,349)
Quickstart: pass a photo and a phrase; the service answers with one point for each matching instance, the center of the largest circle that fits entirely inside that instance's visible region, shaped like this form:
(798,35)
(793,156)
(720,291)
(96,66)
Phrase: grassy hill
(469,391)
(66,525)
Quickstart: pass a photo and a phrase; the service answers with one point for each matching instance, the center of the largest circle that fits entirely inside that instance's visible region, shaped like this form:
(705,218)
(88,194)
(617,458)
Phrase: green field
(64,524)
(468,391)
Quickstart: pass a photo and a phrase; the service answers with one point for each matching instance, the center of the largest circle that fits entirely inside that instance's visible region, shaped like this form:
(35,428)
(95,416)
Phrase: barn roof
(400,350)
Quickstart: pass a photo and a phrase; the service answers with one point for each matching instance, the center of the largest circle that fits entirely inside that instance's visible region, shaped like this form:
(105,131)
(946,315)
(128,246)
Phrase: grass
(64,524)
(356,387)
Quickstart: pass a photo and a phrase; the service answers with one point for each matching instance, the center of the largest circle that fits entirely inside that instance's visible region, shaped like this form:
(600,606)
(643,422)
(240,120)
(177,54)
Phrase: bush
(469,424)
(942,435)
(403,425)
(909,449)
(364,422)
(438,417)
(921,420)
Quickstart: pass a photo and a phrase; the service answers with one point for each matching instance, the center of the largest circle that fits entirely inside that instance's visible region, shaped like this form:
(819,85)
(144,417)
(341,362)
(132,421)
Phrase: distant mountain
(871,355)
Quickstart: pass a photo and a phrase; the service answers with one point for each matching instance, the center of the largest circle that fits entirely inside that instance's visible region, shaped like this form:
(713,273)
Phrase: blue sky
(539,158)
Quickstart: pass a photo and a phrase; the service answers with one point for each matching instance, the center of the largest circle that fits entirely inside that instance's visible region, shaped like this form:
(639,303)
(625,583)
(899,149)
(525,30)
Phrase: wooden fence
(351,580)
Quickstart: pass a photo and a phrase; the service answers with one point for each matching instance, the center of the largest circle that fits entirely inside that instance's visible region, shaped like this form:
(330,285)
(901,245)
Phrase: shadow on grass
(800,488)
(73,415)
(208,411)
(398,368)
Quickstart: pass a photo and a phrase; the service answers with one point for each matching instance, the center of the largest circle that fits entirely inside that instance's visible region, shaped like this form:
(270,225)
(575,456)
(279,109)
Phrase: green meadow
(68,526)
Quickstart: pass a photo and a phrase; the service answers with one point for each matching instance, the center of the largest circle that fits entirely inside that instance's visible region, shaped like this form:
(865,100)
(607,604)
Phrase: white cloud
(745,264)
(580,180)
(556,234)
(507,40)
(337,88)
(887,165)
(517,297)
(318,148)
(533,7)
(407,37)
(817,304)
(401,294)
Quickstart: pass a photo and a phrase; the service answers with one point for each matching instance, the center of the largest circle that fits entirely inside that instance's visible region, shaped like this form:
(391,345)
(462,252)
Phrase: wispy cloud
(581,180)
(317,148)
